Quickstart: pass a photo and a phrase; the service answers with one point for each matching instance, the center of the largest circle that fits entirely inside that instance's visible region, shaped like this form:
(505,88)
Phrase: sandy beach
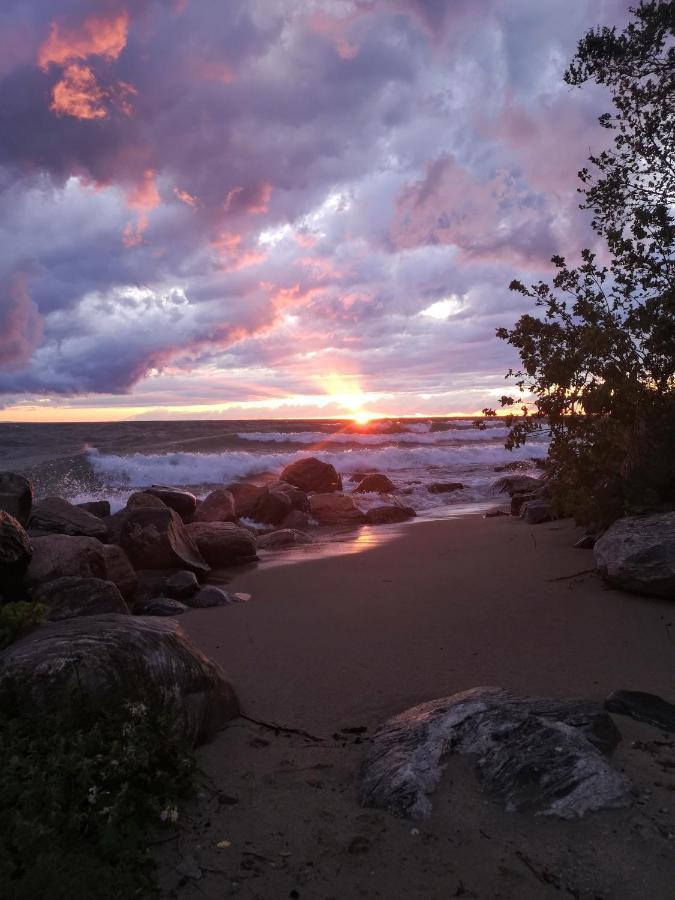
(328,646)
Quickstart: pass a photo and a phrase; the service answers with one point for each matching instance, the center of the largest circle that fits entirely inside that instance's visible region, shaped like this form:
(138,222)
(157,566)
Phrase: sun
(362,417)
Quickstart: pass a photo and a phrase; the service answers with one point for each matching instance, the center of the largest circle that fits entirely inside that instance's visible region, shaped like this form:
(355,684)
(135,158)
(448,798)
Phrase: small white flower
(170,814)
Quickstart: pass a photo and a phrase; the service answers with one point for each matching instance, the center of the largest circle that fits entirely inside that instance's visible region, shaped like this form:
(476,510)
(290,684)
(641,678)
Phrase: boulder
(140,499)
(55,555)
(115,659)
(57,516)
(297,519)
(518,499)
(98,508)
(222,543)
(160,606)
(246,498)
(312,475)
(182,502)
(70,596)
(535,512)
(515,484)
(298,498)
(375,484)
(285,537)
(16,496)
(119,570)
(638,554)
(444,487)
(181,585)
(157,539)
(643,707)
(273,508)
(211,596)
(387,515)
(335,509)
(533,754)
(218,506)
(16,551)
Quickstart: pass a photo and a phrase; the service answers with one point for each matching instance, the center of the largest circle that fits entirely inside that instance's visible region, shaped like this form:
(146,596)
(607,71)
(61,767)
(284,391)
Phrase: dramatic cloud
(207,203)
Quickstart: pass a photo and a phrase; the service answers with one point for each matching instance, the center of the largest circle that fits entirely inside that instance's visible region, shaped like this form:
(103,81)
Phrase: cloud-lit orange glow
(185,197)
(78,94)
(142,198)
(96,36)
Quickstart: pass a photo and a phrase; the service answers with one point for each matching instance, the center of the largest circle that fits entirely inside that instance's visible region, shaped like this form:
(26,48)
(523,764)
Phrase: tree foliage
(598,357)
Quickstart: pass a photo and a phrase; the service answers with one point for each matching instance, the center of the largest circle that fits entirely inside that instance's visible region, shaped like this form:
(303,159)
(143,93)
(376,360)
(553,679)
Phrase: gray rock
(285,537)
(211,596)
(57,516)
(55,555)
(119,570)
(375,484)
(158,539)
(516,484)
(273,508)
(297,519)
(298,498)
(519,499)
(246,497)
(98,508)
(16,496)
(535,512)
(181,585)
(444,487)
(638,554)
(16,552)
(533,755)
(218,506)
(644,707)
(335,509)
(73,596)
(140,499)
(222,543)
(182,502)
(117,658)
(386,515)
(161,606)
(311,474)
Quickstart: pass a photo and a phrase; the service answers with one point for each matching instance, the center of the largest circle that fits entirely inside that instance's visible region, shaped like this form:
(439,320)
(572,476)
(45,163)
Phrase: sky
(281,208)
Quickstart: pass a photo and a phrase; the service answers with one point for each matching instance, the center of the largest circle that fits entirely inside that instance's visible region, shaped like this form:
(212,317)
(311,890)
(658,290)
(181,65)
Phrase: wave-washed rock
(284,537)
(533,754)
(16,496)
(218,506)
(222,543)
(638,554)
(182,502)
(375,483)
(158,539)
(312,475)
(335,509)
(57,516)
(387,515)
(111,658)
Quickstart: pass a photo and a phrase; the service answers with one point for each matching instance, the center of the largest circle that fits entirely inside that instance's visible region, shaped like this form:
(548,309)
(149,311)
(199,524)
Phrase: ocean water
(90,461)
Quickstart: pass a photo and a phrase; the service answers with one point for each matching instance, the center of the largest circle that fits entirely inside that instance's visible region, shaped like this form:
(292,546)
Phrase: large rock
(57,516)
(298,498)
(15,555)
(211,596)
(273,508)
(516,484)
(157,539)
(444,487)
(386,515)
(297,519)
(222,543)
(335,509)
(98,508)
(114,659)
(181,585)
(638,554)
(312,475)
(55,555)
(160,606)
(246,498)
(183,502)
(283,538)
(119,570)
(71,596)
(142,499)
(375,484)
(218,506)
(643,707)
(16,496)
(533,754)
(535,512)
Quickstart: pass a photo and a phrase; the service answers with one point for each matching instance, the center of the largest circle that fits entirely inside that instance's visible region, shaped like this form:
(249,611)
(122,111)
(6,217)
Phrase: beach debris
(535,512)
(140,499)
(538,755)
(109,657)
(643,706)
(222,543)
(374,483)
(311,474)
(444,487)
(54,515)
(55,555)
(218,506)
(284,537)
(386,515)
(637,554)
(16,496)
(160,606)
(158,539)
(72,595)
(335,509)
(98,508)
(16,552)
(183,502)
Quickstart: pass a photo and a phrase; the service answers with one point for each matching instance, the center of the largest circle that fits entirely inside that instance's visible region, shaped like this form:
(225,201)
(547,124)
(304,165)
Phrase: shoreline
(344,642)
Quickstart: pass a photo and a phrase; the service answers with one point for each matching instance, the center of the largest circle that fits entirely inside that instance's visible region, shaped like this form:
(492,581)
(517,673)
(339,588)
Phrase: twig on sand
(573,575)
(273,726)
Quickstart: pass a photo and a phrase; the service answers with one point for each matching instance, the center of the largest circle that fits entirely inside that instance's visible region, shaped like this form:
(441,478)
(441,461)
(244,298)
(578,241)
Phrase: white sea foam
(424,436)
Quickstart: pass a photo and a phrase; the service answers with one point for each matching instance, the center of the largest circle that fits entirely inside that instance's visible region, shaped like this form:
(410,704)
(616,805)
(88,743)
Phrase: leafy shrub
(18,618)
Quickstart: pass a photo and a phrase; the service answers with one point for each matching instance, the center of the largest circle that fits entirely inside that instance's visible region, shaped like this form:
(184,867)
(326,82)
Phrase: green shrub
(18,618)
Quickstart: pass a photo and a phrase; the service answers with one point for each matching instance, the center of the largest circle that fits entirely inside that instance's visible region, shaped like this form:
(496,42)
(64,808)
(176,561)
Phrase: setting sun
(362,418)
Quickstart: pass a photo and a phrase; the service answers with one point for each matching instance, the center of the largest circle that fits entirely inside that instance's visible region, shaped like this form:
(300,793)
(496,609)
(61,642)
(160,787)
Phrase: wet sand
(346,641)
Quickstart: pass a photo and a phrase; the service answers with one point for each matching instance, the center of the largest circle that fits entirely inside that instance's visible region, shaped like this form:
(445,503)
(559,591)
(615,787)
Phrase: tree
(599,357)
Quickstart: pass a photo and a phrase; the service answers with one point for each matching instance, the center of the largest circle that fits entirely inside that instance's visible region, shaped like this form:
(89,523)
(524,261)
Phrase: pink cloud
(21,325)
(96,36)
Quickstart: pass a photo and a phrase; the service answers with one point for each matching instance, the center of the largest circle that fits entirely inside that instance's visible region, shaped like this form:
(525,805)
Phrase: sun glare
(361,417)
